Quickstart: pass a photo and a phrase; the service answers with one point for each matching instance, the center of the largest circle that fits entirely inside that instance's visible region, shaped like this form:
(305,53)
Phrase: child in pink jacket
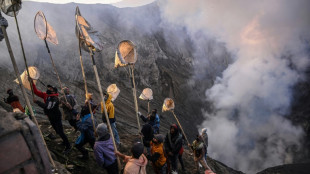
(135,164)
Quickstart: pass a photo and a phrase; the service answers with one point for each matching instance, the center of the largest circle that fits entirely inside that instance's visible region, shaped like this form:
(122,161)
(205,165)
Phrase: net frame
(11,7)
(147,94)
(49,33)
(123,58)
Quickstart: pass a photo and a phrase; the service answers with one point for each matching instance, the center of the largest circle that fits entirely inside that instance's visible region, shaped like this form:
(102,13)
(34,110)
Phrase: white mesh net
(87,35)
(43,29)
(34,74)
(113,90)
(147,94)
(168,105)
(125,53)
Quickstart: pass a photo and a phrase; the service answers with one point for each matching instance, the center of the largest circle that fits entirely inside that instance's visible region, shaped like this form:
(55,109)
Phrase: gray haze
(269,42)
(246,55)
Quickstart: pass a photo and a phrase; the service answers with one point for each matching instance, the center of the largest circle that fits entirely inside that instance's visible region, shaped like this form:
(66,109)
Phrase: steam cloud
(268,41)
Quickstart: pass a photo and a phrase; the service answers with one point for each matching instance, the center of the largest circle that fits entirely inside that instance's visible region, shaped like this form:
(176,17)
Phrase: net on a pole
(9,6)
(168,105)
(86,34)
(113,90)
(34,74)
(125,53)
(147,94)
(43,29)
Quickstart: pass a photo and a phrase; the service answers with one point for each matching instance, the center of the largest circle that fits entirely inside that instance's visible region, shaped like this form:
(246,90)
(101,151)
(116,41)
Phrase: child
(135,164)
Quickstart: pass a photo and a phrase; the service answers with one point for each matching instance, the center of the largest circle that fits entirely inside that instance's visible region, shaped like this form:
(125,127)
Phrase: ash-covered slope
(165,61)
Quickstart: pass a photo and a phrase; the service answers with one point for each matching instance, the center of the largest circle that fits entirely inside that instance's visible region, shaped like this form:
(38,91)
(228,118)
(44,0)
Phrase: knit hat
(102,130)
(174,126)
(9,91)
(137,149)
(204,131)
(159,138)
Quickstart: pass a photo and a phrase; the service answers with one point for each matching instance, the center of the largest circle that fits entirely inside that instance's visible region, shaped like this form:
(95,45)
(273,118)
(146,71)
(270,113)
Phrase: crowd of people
(163,151)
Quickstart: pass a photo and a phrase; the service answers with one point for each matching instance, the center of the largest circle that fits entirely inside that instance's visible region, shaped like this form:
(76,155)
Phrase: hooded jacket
(136,166)
(104,152)
(110,109)
(85,126)
(173,142)
(157,154)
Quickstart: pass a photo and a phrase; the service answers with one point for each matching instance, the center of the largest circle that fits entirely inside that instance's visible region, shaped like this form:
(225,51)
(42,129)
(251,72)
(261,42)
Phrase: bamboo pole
(49,52)
(24,92)
(134,92)
(103,103)
(86,90)
(148,106)
(180,126)
(23,51)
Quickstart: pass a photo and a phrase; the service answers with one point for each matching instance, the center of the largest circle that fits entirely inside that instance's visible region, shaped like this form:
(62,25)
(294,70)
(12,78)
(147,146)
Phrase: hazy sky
(117,3)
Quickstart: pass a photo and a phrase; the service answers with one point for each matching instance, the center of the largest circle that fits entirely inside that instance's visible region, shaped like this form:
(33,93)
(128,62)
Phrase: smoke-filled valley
(240,69)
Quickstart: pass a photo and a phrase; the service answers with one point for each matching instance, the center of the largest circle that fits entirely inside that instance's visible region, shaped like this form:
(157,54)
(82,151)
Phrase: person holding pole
(51,109)
(69,107)
(173,144)
(110,111)
(104,150)
(85,126)
(199,153)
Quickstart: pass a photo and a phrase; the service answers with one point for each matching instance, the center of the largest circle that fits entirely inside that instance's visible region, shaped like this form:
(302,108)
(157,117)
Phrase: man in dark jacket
(13,101)
(104,150)
(86,127)
(51,109)
(69,107)
(173,144)
(152,119)
(148,135)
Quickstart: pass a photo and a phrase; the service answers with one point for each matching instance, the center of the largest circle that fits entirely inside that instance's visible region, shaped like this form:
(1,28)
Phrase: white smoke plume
(268,42)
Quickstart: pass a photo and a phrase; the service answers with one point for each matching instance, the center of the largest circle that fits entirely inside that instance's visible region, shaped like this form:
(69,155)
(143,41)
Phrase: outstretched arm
(37,92)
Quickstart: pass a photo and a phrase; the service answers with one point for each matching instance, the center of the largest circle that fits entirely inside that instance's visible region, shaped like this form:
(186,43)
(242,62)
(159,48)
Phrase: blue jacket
(85,126)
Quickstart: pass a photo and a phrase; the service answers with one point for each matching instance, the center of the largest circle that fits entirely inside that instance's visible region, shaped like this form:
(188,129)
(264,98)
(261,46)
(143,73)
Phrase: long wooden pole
(134,93)
(23,90)
(23,51)
(49,52)
(103,103)
(180,126)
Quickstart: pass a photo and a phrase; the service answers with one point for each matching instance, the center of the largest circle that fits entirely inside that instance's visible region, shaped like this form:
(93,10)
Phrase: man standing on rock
(173,144)
(51,109)
(69,107)
(110,111)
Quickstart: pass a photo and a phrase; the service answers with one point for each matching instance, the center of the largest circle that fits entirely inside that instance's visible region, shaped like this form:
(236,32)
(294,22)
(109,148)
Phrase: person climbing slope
(173,144)
(85,126)
(104,150)
(69,107)
(157,155)
(110,111)
(51,109)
